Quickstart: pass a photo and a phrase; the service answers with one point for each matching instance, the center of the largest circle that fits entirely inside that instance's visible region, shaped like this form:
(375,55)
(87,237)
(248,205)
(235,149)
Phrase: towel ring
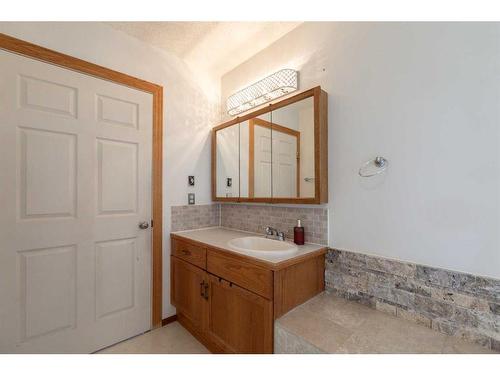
(379,162)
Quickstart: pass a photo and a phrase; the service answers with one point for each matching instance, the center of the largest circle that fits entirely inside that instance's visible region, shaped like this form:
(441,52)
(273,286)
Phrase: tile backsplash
(254,218)
(195,216)
(455,303)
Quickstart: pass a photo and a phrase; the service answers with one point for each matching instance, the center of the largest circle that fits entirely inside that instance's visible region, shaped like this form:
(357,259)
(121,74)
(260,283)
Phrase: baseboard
(169,320)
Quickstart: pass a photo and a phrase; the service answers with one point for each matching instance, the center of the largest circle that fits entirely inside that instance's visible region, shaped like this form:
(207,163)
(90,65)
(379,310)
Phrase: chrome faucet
(275,234)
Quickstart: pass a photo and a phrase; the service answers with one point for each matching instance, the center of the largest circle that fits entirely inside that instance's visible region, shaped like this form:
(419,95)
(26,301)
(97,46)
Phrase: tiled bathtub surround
(194,217)
(454,303)
(254,218)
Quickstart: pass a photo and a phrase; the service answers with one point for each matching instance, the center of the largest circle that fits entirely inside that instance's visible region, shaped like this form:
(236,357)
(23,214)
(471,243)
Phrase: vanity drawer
(256,279)
(193,254)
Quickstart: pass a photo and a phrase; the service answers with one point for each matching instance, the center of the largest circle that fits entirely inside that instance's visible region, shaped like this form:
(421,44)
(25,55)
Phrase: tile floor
(171,339)
(325,324)
(329,324)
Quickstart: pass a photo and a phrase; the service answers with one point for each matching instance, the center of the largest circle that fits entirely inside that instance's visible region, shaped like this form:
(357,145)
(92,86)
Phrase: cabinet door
(187,291)
(238,320)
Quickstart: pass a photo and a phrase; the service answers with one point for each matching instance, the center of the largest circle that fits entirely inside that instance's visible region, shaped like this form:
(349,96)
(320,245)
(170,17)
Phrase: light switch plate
(191,198)
(191,180)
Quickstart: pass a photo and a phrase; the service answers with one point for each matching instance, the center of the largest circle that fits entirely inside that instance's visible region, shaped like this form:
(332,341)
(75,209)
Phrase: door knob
(144,225)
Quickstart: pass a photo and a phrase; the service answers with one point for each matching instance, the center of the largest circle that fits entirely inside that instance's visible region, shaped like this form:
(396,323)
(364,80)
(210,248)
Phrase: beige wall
(424,95)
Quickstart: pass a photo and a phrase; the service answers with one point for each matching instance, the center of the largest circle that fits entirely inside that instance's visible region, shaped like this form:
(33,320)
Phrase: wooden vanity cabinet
(239,321)
(187,290)
(229,302)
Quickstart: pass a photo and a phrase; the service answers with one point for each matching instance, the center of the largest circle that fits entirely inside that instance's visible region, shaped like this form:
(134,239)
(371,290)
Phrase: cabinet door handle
(186,252)
(205,294)
(202,289)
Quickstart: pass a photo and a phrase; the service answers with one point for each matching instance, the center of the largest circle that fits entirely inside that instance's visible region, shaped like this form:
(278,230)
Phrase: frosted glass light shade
(274,86)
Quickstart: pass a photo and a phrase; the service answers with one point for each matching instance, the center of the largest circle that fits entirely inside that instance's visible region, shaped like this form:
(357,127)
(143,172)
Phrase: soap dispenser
(298,234)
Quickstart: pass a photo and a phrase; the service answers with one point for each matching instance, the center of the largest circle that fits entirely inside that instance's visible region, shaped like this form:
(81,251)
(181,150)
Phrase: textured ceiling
(211,47)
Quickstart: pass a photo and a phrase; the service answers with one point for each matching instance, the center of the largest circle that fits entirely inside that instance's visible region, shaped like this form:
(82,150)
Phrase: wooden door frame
(43,54)
(251,150)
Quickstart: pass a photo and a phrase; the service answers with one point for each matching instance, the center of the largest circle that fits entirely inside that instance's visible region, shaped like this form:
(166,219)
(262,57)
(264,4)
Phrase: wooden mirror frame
(320,148)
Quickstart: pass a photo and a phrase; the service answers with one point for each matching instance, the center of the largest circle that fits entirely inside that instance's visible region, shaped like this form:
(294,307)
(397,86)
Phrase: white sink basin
(260,245)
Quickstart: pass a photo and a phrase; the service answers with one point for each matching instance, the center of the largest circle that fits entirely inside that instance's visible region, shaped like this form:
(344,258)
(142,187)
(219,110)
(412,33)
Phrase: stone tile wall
(195,216)
(255,218)
(454,303)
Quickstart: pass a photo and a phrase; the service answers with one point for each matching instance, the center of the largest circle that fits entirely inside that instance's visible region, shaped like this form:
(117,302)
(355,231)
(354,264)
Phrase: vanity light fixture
(274,86)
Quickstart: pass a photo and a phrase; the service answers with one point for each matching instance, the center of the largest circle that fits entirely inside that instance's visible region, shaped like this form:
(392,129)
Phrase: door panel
(48,96)
(115,277)
(75,169)
(262,162)
(117,177)
(285,164)
(116,111)
(188,291)
(48,284)
(45,190)
(238,320)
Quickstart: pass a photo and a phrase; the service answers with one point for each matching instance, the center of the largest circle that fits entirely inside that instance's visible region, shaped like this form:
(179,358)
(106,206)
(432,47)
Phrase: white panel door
(75,180)
(284,158)
(262,162)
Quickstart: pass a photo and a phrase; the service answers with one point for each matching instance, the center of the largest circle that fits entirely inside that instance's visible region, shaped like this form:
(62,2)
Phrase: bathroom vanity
(229,286)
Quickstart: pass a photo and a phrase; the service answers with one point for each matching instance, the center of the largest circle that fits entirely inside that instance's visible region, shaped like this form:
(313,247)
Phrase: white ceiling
(211,47)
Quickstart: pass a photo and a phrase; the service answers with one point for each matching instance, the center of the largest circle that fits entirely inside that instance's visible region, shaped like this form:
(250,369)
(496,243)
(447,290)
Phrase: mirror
(255,157)
(227,162)
(293,150)
(277,154)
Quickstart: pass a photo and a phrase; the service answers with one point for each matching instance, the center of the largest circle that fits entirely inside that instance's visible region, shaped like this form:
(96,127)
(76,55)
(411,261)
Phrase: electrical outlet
(191,198)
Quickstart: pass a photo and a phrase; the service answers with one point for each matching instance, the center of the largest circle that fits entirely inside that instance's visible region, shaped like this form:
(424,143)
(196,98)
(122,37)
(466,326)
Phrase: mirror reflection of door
(255,178)
(295,118)
(274,160)
(286,162)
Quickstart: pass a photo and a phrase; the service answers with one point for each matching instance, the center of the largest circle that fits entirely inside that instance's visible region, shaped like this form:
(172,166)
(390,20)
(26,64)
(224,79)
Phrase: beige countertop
(219,236)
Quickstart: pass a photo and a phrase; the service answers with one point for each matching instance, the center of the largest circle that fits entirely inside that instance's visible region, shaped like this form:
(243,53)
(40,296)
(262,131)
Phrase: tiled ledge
(330,324)
(453,303)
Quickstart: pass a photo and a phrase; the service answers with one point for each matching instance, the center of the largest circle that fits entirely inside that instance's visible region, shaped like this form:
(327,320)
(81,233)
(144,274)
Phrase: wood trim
(273,126)
(43,54)
(317,151)
(157,206)
(214,164)
(169,320)
(297,156)
(320,149)
(323,145)
(251,158)
(34,51)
